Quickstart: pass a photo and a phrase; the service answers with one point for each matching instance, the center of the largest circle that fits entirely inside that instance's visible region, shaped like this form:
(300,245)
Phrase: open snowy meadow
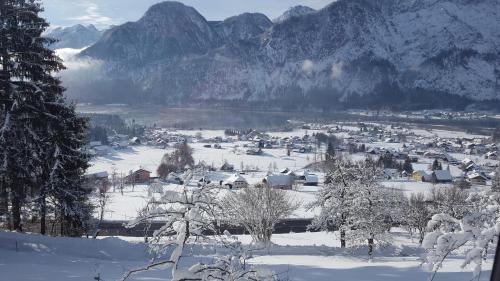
(295,256)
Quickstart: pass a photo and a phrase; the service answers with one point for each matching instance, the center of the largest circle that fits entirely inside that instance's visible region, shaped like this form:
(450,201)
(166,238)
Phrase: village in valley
(413,160)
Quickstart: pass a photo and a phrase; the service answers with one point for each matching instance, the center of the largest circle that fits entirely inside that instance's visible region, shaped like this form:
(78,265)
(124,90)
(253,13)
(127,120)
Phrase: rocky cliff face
(406,53)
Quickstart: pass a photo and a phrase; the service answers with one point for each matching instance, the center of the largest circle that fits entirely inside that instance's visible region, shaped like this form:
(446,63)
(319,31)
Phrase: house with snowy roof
(311,179)
(477,178)
(422,176)
(279,181)
(441,176)
(236,181)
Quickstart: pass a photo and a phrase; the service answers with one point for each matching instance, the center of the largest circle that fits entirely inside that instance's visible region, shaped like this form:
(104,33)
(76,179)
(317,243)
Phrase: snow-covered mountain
(242,27)
(167,30)
(296,11)
(75,37)
(403,53)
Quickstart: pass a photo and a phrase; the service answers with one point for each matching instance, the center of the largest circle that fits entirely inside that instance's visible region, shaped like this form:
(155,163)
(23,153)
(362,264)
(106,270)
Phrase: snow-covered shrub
(475,232)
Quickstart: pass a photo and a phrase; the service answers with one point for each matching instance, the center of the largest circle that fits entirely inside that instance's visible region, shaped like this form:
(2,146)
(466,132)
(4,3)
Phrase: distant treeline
(104,125)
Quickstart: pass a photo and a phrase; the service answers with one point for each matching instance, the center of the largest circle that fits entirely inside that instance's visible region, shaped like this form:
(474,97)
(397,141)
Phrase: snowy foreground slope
(301,257)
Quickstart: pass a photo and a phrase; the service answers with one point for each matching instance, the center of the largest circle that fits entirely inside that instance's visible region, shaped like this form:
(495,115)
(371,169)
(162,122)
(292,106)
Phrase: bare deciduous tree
(190,214)
(258,209)
(103,197)
(449,200)
(416,215)
(176,161)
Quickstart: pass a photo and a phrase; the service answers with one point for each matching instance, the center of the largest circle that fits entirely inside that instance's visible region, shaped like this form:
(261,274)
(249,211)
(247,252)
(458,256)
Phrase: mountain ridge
(350,53)
(76,37)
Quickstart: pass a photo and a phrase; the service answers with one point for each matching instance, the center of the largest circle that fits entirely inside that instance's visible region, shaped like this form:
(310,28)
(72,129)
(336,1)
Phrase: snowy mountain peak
(242,27)
(76,37)
(296,11)
(168,29)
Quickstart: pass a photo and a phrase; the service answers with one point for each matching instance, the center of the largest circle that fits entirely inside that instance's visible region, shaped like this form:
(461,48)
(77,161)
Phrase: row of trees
(387,161)
(41,136)
(193,218)
(354,203)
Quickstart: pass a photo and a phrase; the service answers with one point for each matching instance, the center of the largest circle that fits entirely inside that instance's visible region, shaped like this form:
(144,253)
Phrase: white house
(477,178)
(280,181)
(311,180)
(236,181)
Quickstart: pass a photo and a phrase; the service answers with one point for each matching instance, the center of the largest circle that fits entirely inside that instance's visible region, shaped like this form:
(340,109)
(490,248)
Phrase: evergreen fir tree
(436,165)
(407,166)
(40,135)
(495,182)
(330,152)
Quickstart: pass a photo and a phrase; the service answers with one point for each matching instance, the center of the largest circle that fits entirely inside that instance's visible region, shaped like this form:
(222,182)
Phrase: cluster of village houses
(412,146)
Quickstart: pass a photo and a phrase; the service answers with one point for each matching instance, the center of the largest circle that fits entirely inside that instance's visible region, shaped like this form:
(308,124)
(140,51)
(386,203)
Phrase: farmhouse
(139,176)
(422,176)
(477,178)
(311,180)
(441,176)
(491,155)
(279,181)
(96,180)
(227,167)
(236,181)
(467,162)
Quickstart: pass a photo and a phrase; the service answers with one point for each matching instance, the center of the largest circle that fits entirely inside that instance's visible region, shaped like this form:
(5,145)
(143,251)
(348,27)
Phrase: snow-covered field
(295,256)
(149,158)
(126,206)
(298,257)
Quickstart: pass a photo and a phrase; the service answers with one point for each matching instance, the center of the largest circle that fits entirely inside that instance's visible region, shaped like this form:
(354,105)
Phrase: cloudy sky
(103,13)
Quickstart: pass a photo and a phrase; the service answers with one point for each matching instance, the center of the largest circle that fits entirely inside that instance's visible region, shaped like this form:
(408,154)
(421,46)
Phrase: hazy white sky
(103,13)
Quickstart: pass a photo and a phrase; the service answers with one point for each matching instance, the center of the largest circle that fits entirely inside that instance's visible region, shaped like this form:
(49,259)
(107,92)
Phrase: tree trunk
(61,222)
(43,214)
(370,248)
(342,239)
(421,237)
(4,199)
(16,212)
